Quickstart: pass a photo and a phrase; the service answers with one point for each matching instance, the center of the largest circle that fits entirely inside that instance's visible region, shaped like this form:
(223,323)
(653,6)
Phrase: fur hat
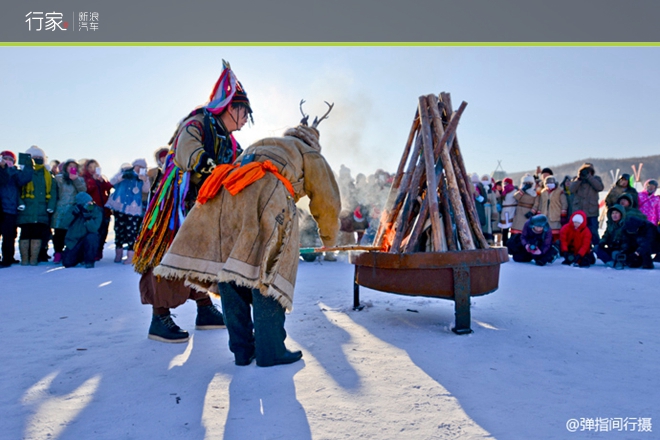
(527,178)
(507,181)
(587,166)
(475,178)
(9,154)
(539,220)
(35,151)
(577,219)
(308,135)
(126,166)
(161,152)
(140,163)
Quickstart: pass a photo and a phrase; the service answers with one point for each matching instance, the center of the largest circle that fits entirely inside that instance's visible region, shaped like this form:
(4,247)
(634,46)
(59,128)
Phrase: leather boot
(35,247)
(129,257)
(119,253)
(24,247)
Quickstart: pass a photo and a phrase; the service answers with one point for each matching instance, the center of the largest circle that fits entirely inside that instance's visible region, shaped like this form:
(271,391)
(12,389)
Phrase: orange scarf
(236,178)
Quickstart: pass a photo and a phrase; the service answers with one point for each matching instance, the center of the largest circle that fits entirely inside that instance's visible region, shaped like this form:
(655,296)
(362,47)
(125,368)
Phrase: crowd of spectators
(70,204)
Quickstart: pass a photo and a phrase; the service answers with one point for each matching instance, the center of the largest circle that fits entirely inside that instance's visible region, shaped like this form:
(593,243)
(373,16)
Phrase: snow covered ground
(552,344)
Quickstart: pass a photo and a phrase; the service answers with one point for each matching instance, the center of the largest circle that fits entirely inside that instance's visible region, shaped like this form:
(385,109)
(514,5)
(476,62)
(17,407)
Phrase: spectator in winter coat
(508,212)
(626,200)
(565,185)
(609,246)
(622,186)
(98,186)
(649,203)
(126,205)
(575,239)
(553,204)
(490,207)
(585,188)
(497,209)
(11,181)
(525,196)
(354,222)
(540,186)
(69,183)
(638,242)
(37,204)
(534,242)
(480,199)
(82,232)
(140,168)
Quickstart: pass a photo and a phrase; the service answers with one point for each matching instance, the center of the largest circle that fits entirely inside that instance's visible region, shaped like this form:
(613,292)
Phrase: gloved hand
(480,199)
(529,214)
(499,207)
(526,186)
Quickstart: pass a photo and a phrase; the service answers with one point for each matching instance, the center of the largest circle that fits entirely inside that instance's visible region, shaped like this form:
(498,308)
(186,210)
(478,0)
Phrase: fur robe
(252,238)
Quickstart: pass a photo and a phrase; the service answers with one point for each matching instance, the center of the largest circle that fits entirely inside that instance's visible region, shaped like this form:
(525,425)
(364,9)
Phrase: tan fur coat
(252,238)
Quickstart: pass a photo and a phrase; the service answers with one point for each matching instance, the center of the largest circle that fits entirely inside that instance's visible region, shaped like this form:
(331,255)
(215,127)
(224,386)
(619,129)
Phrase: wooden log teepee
(431,202)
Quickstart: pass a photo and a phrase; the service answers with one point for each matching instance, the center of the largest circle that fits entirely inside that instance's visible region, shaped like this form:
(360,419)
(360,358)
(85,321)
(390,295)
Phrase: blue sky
(527,106)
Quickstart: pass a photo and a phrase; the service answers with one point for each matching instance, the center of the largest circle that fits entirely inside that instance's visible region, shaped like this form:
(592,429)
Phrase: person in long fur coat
(242,238)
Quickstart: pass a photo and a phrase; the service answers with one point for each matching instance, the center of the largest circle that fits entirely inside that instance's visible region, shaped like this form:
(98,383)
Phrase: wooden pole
(431,183)
(460,217)
(464,183)
(388,217)
(400,180)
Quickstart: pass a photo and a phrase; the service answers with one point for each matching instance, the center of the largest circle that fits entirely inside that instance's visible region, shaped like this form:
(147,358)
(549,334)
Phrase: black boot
(209,318)
(163,329)
(236,302)
(269,332)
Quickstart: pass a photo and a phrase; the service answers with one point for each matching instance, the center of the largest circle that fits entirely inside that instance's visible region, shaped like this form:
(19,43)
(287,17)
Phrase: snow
(553,343)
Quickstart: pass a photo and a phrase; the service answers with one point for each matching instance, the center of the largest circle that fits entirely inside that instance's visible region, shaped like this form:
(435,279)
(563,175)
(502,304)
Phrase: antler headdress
(306,133)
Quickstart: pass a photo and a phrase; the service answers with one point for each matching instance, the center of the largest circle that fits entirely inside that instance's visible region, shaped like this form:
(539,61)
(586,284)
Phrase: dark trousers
(9,232)
(264,336)
(604,254)
(83,252)
(592,224)
(103,233)
(58,240)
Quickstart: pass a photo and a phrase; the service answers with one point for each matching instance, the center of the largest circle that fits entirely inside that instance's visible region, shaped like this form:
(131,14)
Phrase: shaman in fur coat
(252,238)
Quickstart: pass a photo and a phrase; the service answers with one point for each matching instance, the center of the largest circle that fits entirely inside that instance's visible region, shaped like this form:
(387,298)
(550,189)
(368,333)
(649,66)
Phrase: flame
(388,238)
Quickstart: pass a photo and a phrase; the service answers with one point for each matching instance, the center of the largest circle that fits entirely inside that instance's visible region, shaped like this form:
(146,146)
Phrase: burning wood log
(400,180)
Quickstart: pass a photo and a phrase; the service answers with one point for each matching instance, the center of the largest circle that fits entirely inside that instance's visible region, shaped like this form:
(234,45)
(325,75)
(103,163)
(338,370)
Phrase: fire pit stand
(455,276)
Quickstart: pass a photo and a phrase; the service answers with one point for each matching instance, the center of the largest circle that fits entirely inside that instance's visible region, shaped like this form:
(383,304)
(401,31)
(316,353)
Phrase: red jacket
(99,190)
(575,241)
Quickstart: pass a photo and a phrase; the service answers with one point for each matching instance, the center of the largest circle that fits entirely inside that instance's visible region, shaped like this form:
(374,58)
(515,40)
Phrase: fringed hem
(203,281)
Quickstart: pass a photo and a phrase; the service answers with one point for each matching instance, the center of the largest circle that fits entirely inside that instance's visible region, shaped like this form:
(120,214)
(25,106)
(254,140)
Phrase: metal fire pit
(449,275)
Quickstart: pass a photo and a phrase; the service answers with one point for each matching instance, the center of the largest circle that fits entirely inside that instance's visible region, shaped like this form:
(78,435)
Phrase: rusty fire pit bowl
(455,276)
